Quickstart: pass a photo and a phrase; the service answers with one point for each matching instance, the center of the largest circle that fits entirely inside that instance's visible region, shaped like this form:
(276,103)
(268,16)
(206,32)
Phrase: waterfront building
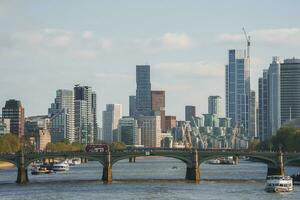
(211,120)
(14,111)
(190,112)
(214,103)
(150,130)
(44,137)
(197,121)
(274,96)
(158,106)
(290,89)
(238,89)
(132,105)
(81,121)
(61,114)
(4,126)
(111,117)
(33,124)
(85,93)
(143,90)
(252,127)
(224,122)
(263,100)
(128,131)
(170,122)
(166,140)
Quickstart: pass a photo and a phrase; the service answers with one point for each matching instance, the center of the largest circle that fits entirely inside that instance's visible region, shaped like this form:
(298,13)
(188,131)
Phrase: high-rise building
(14,111)
(81,121)
(263,100)
(190,112)
(274,96)
(85,93)
(252,127)
(111,117)
(132,106)
(143,90)
(170,122)
(61,116)
(94,113)
(290,89)
(150,130)
(158,106)
(128,131)
(238,89)
(214,103)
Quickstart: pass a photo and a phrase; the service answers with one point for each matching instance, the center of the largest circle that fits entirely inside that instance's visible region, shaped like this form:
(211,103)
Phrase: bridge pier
(193,170)
(107,169)
(236,160)
(132,159)
(22,177)
(277,169)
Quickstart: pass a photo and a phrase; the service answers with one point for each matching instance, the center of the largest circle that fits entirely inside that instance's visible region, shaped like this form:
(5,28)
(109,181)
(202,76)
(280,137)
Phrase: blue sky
(49,45)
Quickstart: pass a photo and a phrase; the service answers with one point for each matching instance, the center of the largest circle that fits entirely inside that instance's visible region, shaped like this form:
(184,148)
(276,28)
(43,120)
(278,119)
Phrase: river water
(154,178)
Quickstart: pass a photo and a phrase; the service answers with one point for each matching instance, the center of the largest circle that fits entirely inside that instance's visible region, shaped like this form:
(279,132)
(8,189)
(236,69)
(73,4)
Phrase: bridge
(191,157)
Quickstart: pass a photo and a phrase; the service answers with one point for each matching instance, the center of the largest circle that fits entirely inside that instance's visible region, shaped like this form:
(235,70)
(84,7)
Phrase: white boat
(76,161)
(60,166)
(214,162)
(277,183)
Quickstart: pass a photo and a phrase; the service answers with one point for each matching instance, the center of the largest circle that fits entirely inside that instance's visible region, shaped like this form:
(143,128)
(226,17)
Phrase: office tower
(110,122)
(290,89)
(158,106)
(81,121)
(214,105)
(150,130)
(61,116)
(170,122)
(128,131)
(225,122)
(252,127)
(94,114)
(274,96)
(190,112)
(211,120)
(4,126)
(238,89)
(263,100)
(85,93)
(143,90)
(14,111)
(132,106)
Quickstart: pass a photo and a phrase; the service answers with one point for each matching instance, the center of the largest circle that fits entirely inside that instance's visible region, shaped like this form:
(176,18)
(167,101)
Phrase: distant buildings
(214,105)
(238,89)
(14,111)
(128,131)
(253,107)
(269,116)
(34,124)
(111,117)
(190,112)
(143,90)
(132,106)
(170,122)
(4,126)
(290,89)
(150,130)
(158,106)
(61,116)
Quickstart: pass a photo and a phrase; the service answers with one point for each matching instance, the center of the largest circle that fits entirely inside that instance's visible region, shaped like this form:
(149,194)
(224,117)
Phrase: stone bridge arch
(14,162)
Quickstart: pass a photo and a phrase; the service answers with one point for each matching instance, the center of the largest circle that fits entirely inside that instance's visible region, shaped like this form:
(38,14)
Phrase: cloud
(200,69)
(281,36)
(168,41)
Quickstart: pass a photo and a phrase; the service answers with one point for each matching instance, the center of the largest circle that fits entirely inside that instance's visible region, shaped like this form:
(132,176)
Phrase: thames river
(155,178)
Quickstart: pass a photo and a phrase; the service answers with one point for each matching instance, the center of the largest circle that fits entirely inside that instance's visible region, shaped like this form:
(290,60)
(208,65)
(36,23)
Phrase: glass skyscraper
(143,90)
(238,89)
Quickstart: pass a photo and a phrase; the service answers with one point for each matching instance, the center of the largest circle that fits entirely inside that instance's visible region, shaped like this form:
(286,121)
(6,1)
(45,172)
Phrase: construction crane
(248,42)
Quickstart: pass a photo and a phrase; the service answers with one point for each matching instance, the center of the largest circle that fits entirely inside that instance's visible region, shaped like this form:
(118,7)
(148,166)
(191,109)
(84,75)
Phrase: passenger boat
(277,183)
(36,170)
(76,161)
(60,166)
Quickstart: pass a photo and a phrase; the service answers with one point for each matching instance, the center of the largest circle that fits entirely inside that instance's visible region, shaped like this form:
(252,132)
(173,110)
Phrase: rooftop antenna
(248,42)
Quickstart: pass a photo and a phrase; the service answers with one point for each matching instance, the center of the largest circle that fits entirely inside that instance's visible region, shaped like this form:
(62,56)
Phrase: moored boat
(277,183)
(60,166)
(37,170)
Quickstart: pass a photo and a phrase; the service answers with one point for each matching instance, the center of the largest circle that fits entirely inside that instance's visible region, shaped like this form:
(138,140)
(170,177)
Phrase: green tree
(117,145)
(9,143)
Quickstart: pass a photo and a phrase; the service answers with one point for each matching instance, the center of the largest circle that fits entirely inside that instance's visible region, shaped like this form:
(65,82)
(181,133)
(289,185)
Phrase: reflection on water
(159,178)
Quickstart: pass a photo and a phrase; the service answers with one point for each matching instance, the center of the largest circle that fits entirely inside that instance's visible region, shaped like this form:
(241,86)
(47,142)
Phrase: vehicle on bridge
(93,148)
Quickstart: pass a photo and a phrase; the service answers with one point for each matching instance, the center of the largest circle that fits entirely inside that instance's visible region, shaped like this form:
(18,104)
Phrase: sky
(50,45)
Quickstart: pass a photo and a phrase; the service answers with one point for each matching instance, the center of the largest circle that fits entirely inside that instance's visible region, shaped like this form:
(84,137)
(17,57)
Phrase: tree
(117,145)
(9,143)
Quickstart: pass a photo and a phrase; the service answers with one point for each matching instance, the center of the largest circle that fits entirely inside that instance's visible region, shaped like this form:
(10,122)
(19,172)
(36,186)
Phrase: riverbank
(5,165)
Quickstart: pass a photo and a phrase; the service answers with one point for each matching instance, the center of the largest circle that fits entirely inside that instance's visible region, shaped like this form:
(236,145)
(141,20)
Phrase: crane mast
(248,42)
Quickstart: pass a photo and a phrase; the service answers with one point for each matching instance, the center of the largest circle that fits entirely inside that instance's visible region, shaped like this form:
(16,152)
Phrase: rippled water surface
(153,178)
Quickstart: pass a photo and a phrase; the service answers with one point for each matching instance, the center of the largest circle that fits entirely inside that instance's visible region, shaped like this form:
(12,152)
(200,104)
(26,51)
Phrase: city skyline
(106,60)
